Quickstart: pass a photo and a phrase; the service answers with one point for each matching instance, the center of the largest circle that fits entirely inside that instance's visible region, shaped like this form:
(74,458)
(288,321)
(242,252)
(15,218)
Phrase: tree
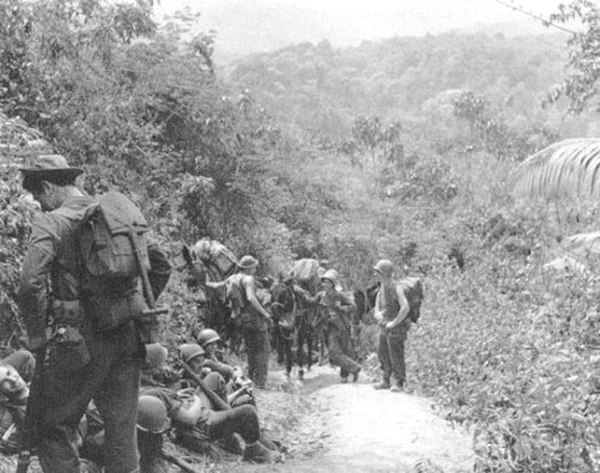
(581,88)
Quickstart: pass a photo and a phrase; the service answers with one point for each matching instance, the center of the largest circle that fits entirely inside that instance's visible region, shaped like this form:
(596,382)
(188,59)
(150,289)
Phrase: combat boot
(397,388)
(355,375)
(385,384)
(257,453)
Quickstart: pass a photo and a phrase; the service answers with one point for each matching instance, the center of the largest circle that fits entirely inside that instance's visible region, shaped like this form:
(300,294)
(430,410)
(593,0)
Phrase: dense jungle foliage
(400,149)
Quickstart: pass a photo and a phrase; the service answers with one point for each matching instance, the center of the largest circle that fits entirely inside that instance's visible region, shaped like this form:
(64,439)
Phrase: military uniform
(81,363)
(390,349)
(254,329)
(341,352)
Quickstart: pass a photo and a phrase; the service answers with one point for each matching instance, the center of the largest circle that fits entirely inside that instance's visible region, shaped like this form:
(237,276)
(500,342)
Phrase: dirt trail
(377,431)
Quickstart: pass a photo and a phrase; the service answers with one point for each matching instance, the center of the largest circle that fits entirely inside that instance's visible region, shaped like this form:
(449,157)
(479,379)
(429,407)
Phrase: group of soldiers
(88,348)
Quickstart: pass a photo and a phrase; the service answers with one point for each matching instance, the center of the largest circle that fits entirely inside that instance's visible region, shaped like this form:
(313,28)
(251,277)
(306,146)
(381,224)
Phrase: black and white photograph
(299,236)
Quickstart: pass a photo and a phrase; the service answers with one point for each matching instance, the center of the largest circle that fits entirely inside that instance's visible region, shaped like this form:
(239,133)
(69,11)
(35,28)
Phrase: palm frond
(584,242)
(566,168)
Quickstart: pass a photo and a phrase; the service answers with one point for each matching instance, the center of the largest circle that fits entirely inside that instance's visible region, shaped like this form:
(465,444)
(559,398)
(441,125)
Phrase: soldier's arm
(215,284)
(250,289)
(223,369)
(35,272)
(347,303)
(404,308)
(305,295)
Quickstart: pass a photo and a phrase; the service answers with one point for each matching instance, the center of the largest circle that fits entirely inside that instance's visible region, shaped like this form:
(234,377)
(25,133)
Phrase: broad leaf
(583,242)
(567,168)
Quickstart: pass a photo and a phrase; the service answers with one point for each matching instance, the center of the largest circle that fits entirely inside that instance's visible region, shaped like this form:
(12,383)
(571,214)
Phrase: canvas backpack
(413,291)
(235,294)
(110,264)
(105,237)
(219,260)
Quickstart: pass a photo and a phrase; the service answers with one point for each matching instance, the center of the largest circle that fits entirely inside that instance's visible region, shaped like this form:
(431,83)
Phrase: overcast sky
(260,25)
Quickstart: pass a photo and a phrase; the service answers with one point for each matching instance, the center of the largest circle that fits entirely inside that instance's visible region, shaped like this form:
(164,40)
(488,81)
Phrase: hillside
(322,88)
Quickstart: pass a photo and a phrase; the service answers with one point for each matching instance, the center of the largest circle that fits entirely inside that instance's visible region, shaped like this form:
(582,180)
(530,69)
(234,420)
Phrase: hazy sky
(259,25)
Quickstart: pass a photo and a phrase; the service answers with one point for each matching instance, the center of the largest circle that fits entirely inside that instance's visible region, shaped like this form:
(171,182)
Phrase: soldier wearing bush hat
(105,367)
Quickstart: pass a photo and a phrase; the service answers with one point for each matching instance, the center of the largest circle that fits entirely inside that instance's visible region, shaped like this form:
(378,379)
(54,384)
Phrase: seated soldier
(239,388)
(16,370)
(196,423)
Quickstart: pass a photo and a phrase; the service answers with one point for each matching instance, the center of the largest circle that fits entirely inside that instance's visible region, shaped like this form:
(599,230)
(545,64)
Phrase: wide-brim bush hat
(247,262)
(47,165)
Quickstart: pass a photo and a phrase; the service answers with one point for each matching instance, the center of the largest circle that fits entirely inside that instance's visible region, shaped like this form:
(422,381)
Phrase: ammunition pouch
(68,350)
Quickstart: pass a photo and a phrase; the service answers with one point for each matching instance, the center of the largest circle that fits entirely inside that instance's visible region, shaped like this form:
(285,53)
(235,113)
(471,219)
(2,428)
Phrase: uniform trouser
(112,380)
(242,420)
(390,352)
(257,350)
(341,353)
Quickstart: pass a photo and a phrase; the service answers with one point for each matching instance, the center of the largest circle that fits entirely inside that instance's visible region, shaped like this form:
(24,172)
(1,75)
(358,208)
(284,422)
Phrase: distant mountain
(254,26)
(322,88)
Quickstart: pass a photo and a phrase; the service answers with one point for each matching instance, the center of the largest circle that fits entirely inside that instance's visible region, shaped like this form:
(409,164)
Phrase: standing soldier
(338,310)
(84,356)
(253,318)
(391,310)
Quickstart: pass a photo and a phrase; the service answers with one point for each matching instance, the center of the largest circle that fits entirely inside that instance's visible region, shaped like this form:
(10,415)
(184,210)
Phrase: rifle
(216,401)
(33,414)
(179,462)
(148,323)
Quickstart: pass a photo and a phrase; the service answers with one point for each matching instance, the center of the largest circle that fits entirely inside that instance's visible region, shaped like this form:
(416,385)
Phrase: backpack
(235,294)
(305,273)
(219,259)
(105,240)
(413,290)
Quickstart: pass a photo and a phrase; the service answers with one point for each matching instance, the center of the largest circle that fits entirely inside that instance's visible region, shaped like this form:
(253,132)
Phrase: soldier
(15,371)
(391,310)
(254,319)
(196,423)
(338,308)
(226,383)
(82,361)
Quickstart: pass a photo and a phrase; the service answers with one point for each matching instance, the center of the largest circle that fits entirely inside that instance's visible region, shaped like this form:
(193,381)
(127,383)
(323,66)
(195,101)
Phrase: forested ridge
(319,88)
(400,149)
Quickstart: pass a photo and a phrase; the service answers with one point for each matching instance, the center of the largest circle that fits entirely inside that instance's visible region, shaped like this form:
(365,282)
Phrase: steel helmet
(385,267)
(155,356)
(331,275)
(152,415)
(248,262)
(206,336)
(189,351)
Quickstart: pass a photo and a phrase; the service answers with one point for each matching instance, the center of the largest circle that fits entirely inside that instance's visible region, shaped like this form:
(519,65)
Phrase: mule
(283,307)
(207,257)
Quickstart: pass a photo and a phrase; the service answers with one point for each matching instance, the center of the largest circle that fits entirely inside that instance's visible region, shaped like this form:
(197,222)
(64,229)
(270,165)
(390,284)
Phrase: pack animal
(284,302)
(212,259)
